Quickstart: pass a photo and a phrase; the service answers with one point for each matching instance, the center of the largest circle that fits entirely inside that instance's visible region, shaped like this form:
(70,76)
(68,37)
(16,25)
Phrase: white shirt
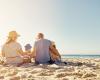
(11,53)
(11,49)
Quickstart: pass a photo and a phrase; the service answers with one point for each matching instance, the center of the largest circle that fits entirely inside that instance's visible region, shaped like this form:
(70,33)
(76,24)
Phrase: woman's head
(13,35)
(53,44)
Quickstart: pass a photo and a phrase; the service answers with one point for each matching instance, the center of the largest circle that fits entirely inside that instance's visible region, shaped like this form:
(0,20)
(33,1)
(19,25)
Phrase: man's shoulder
(46,39)
(43,40)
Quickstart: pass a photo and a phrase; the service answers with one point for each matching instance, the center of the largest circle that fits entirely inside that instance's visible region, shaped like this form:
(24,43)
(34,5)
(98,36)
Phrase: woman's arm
(54,51)
(20,51)
(3,54)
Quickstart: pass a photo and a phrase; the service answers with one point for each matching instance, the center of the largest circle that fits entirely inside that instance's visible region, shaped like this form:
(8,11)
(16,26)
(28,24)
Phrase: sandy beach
(76,69)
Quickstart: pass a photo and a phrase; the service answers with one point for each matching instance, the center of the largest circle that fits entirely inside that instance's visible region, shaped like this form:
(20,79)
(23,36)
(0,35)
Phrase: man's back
(42,50)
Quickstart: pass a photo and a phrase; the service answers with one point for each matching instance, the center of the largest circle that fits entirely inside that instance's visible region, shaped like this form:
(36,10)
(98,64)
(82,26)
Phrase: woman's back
(11,49)
(11,53)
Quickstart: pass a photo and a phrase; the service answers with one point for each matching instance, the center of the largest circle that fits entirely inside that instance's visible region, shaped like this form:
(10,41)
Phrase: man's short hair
(40,35)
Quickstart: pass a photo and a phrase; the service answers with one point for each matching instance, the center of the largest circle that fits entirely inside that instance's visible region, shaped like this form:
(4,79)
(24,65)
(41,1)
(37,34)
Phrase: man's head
(40,36)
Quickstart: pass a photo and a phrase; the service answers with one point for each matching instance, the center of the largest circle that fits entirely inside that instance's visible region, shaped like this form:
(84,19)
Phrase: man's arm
(34,52)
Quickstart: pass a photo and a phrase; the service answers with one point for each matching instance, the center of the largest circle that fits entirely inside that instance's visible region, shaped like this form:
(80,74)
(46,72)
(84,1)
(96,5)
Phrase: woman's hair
(9,40)
(54,46)
(12,35)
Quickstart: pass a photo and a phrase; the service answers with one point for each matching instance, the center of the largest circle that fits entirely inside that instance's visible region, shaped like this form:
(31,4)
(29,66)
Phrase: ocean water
(80,56)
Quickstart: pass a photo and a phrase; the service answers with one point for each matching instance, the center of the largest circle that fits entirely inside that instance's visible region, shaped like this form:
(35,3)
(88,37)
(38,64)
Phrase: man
(42,50)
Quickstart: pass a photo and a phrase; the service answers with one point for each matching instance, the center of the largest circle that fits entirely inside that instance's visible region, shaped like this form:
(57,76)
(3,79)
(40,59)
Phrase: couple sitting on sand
(44,51)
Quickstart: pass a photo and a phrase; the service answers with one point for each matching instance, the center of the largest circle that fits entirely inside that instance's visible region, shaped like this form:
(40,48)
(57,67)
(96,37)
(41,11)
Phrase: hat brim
(14,36)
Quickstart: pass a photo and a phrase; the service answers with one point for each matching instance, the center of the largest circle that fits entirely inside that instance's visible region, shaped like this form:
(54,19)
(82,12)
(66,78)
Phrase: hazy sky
(73,24)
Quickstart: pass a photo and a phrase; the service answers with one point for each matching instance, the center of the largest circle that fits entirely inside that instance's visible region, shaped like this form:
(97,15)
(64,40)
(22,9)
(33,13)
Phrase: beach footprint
(15,78)
(47,73)
(11,73)
(61,75)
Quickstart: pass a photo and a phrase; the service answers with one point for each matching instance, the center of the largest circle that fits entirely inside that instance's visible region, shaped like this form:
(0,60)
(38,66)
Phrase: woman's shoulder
(17,44)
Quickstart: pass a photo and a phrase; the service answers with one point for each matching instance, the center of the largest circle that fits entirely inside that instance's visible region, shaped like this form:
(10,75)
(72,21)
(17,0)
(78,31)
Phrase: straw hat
(13,34)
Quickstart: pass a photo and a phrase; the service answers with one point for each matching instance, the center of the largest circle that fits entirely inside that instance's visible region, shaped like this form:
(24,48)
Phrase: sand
(76,69)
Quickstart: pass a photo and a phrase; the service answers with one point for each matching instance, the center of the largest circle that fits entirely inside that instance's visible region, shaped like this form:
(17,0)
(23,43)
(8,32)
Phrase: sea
(80,56)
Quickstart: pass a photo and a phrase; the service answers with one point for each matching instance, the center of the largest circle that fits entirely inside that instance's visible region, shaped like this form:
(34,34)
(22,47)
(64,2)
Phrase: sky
(74,25)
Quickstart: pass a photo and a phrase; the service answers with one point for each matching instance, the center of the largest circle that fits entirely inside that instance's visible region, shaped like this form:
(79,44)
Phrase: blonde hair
(12,34)
(9,40)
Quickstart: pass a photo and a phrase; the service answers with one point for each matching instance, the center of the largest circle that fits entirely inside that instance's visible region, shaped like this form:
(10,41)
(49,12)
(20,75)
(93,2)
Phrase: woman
(12,50)
(55,55)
